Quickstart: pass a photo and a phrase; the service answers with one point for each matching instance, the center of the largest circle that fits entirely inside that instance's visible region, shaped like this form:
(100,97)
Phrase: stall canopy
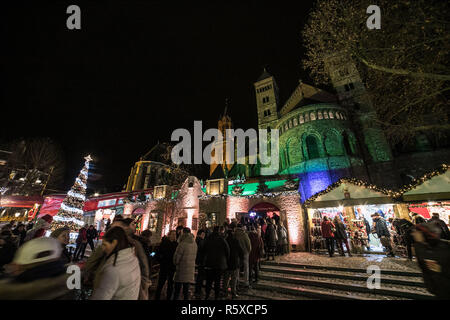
(432,186)
(349,192)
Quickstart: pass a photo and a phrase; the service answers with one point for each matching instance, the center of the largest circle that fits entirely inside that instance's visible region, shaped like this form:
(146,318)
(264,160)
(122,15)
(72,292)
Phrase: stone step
(303,292)
(416,293)
(352,270)
(410,281)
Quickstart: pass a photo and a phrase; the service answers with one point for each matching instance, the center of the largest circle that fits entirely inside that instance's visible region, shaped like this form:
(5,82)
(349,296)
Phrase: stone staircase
(284,280)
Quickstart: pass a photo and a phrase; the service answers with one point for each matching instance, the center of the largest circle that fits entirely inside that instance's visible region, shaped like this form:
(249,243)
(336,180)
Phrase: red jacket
(82,236)
(326,229)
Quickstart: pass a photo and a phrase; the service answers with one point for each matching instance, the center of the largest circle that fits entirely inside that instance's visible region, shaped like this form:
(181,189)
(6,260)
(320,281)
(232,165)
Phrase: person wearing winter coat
(341,236)
(8,247)
(441,223)
(282,238)
(271,239)
(39,228)
(130,228)
(21,233)
(404,228)
(231,276)
(383,233)
(37,273)
(200,262)
(98,258)
(255,254)
(91,235)
(81,244)
(217,253)
(62,235)
(164,255)
(417,218)
(244,242)
(433,256)
(184,261)
(327,233)
(120,276)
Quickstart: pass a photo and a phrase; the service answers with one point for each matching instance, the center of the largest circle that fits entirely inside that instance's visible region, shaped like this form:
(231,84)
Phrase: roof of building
(306,94)
(264,75)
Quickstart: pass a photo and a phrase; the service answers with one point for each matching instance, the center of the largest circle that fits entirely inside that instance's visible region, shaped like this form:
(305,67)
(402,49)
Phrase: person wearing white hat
(36,273)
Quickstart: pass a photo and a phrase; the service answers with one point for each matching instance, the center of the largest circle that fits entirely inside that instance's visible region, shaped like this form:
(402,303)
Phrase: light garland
(354,181)
(256,195)
(70,209)
(77,195)
(81,183)
(416,182)
(64,219)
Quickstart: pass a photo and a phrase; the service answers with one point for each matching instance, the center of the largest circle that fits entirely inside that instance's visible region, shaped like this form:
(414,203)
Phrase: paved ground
(357,261)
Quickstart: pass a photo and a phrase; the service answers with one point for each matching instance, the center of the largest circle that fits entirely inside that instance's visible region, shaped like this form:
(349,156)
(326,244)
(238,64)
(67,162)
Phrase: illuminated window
(214,187)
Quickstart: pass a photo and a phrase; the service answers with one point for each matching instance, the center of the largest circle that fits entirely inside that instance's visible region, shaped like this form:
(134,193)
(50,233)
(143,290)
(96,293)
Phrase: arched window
(325,114)
(312,147)
(295,122)
(331,115)
(313,116)
(319,115)
(302,120)
(306,117)
(350,144)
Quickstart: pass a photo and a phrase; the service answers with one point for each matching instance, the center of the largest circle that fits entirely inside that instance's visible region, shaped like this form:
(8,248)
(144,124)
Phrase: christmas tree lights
(71,212)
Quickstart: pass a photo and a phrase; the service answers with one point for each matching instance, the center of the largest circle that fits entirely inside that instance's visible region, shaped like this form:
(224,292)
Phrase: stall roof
(432,186)
(349,192)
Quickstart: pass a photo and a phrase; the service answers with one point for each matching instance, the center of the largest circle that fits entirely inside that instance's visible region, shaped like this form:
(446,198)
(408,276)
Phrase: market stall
(430,194)
(353,202)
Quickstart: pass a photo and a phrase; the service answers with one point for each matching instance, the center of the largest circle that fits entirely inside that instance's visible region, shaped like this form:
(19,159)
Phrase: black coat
(431,259)
(217,252)
(200,259)
(340,233)
(91,234)
(271,236)
(165,253)
(236,253)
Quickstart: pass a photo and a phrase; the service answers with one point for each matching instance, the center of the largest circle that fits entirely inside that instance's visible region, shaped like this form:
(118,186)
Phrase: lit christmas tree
(71,212)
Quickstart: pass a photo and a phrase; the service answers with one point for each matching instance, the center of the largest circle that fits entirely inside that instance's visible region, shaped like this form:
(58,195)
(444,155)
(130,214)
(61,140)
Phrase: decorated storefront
(19,208)
(353,202)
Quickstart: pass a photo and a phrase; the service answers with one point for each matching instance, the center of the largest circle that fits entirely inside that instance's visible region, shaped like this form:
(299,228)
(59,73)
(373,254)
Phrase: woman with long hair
(120,276)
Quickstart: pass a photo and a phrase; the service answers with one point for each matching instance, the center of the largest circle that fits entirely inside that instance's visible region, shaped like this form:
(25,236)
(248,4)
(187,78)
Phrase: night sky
(137,70)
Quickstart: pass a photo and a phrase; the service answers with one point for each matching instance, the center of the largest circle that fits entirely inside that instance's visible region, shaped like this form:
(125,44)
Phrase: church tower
(266,100)
(223,124)
(353,95)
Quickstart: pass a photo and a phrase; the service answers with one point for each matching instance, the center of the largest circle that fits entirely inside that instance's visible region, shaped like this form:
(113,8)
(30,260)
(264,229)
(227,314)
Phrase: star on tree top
(88,158)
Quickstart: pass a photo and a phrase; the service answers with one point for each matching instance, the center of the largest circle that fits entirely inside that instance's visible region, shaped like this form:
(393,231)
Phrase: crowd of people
(399,234)
(221,262)
(224,259)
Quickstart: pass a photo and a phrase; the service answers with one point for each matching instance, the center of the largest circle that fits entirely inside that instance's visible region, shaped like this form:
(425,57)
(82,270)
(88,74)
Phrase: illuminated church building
(323,137)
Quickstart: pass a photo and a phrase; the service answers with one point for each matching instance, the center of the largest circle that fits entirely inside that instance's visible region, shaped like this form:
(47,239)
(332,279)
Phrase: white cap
(38,250)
